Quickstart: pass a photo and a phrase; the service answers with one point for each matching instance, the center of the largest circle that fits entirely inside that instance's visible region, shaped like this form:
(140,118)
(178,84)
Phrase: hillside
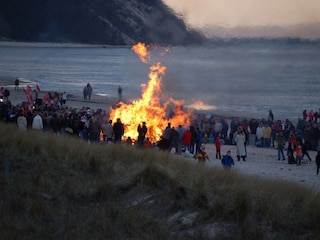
(56,187)
(113,22)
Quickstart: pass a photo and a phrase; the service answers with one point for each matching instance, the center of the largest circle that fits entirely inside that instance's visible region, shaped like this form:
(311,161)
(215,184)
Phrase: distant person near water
(16,84)
(64,98)
(120,92)
(270,116)
(87,91)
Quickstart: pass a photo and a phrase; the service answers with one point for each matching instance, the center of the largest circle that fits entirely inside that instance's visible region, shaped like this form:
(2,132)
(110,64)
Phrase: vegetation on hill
(54,187)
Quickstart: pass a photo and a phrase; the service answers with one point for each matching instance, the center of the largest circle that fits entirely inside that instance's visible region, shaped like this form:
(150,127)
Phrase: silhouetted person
(118,130)
(142,131)
(120,92)
(16,84)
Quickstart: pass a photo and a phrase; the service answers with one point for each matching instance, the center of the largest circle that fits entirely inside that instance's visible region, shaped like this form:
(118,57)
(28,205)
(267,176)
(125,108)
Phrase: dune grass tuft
(61,187)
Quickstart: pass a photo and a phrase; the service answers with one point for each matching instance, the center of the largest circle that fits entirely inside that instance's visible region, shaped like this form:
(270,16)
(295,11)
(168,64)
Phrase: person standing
(167,135)
(318,161)
(240,140)
(199,140)
(142,131)
(298,153)
(180,132)
(94,129)
(107,131)
(304,146)
(120,92)
(227,161)
(22,122)
(193,139)
(55,124)
(34,95)
(6,94)
(217,143)
(281,141)
(64,98)
(270,117)
(89,89)
(37,122)
(64,123)
(186,140)
(267,135)
(85,93)
(259,135)
(16,84)
(174,139)
(118,130)
(217,127)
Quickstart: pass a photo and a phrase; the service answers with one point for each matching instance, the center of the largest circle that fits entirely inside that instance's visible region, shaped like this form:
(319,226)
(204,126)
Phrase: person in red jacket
(186,139)
(218,146)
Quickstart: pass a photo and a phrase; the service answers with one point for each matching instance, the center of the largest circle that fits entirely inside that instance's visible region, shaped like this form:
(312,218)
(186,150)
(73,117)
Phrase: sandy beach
(261,162)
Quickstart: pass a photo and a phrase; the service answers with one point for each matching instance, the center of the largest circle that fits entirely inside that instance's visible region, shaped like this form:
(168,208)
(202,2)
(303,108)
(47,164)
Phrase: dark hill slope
(114,22)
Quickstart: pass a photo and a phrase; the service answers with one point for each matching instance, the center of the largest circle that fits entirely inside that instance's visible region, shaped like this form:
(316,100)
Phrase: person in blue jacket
(227,160)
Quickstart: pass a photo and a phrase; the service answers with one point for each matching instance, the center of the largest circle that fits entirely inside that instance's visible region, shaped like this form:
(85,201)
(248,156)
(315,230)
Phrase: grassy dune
(64,188)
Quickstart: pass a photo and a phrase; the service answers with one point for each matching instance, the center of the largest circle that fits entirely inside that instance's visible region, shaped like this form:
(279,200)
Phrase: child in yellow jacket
(202,156)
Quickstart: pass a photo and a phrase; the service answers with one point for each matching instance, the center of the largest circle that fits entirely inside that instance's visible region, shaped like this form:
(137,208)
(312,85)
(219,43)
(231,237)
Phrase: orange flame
(149,108)
(141,50)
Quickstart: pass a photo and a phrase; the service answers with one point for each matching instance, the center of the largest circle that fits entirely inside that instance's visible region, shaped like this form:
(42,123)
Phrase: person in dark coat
(142,131)
(94,129)
(318,162)
(6,94)
(16,84)
(118,130)
(304,146)
(89,89)
(174,139)
(55,124)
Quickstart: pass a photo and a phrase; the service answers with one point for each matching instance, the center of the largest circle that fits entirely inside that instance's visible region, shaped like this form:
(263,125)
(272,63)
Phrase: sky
(299,18)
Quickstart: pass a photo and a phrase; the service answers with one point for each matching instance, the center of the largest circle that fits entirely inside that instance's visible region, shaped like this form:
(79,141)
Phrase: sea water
(239,79)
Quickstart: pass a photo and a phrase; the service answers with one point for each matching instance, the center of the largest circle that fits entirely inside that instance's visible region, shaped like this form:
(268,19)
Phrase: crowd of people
(297,139)
(95,126)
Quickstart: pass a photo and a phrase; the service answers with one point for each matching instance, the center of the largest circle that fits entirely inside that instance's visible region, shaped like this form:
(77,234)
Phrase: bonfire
(150,108)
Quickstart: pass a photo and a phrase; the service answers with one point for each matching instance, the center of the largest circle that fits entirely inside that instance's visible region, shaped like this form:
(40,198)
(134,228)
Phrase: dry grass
(64,188)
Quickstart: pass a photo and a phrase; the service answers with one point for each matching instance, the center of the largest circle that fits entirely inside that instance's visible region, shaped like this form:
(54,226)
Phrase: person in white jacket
(259,134)
(22,122)
(37,122)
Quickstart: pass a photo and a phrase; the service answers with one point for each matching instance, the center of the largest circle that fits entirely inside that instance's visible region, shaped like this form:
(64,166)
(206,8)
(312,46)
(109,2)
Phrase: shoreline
(76,101)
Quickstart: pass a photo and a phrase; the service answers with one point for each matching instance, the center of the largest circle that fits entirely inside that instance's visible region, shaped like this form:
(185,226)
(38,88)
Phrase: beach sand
(261,162)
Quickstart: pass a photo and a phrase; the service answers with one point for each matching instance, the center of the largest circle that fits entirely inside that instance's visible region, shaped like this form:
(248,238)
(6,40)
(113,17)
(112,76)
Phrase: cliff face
(114,22)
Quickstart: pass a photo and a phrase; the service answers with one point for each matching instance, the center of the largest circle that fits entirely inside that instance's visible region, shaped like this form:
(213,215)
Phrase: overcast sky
(299,17)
